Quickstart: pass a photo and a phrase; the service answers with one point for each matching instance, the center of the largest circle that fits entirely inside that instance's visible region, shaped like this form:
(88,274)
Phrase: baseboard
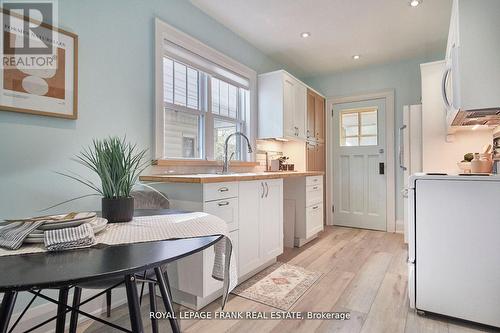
(38,314)
(399,226)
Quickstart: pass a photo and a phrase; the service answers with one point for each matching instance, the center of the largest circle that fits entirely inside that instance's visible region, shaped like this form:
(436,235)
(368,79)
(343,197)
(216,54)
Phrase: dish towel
(223,270)
(13,234)
(69,238)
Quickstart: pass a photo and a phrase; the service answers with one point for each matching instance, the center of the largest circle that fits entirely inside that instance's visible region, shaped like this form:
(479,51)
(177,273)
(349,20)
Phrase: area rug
(279,285)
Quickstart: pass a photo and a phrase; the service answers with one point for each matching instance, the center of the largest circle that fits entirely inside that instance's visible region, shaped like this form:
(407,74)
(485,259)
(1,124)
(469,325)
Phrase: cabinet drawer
(218,191)
(314,195)
(314,180)
(314,219)
(226,209)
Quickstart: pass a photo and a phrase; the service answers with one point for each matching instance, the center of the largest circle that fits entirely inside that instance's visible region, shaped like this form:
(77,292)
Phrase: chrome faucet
(225,166)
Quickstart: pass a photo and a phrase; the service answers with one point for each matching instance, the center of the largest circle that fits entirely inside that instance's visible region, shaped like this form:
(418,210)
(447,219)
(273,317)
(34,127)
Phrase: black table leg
(61,309)
(73,321)
(167,301)
(152,306)
(8,301)
(108,303)
(165,274)
(134,308)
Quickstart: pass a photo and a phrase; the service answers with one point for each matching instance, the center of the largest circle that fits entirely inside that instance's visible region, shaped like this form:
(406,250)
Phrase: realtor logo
(33,38)
(27,39)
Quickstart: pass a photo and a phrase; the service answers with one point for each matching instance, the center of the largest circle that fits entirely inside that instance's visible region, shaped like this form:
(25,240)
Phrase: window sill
(203,163)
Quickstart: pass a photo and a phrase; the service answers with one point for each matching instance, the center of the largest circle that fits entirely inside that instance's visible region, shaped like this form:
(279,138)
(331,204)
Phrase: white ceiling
(380,31)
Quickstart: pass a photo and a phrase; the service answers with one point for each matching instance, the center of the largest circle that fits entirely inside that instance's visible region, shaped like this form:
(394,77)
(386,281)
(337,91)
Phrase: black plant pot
(118,209)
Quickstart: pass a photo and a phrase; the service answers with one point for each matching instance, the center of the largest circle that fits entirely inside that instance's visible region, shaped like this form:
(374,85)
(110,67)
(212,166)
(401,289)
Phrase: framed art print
(39,67)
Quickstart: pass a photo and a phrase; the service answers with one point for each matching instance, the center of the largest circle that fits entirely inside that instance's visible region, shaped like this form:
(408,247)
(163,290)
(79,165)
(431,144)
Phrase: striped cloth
(69,238)
(13,234)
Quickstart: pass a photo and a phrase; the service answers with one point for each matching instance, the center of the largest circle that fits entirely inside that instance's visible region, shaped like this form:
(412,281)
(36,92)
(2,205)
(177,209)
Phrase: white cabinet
(260,223)
(282,106)
(253,211)
(249,256)
(305,196)
(271,219)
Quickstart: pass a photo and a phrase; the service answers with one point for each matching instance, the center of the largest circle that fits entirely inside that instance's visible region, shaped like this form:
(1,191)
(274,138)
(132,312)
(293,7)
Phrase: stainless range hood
(485,117)
(471,81)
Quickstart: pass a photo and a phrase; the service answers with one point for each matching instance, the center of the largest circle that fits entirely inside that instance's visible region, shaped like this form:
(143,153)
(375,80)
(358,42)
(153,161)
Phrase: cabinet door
(250,196)
(311,157)
(271,220)
(300,110)
(310,114)
(320,157)
(289,107)
(319,118)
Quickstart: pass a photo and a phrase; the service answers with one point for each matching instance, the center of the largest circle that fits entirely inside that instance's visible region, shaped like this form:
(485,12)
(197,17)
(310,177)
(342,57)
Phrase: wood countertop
(231,177)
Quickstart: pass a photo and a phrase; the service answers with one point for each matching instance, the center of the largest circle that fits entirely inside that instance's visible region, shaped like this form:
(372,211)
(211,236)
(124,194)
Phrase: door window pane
(182,135)
(358,127)
(368,141)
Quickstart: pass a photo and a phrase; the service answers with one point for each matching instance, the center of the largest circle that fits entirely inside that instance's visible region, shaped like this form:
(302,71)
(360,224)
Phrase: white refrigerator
(410,152)
(454,246)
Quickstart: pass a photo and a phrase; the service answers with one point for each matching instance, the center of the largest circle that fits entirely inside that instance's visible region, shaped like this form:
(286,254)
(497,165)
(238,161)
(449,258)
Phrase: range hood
(484,117)
(471,80)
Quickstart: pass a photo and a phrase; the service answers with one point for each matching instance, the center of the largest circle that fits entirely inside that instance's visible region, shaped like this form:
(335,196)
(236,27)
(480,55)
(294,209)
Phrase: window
(205,97)
(358,127)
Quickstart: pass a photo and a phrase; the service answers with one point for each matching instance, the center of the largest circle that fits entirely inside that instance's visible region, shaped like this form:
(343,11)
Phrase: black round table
(62,270)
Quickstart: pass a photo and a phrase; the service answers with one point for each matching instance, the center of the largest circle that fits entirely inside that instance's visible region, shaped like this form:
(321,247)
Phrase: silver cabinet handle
(223,189)
(401,148)
(267,189)
(315,188)
(223,203)
(315,207)
(263,190)
(443,88)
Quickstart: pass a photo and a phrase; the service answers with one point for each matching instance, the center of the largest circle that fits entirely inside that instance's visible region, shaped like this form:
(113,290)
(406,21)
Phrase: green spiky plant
(117,163)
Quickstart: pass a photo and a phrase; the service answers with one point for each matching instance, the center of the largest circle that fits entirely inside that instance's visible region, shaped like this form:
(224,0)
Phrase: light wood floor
(364,273)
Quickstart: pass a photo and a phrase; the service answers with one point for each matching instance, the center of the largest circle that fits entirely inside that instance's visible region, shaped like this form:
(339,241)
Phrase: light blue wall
(116,96)
(402,76)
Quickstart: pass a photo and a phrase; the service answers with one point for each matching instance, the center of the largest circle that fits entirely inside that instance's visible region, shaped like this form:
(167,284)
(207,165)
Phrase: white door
(271,219)
(359,164)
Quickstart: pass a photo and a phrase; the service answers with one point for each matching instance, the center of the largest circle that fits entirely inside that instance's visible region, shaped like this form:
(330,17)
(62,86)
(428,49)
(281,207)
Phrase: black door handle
(381,168)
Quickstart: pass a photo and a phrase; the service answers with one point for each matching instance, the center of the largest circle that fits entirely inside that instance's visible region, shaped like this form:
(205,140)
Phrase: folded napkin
(12,234)
(69,238)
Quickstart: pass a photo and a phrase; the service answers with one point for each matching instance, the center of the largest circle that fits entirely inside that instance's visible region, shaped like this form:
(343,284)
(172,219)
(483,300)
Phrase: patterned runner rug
(279,285)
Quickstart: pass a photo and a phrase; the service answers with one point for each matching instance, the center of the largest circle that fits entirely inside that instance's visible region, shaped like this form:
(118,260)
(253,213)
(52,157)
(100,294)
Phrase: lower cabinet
(260,223)
(253,211)
(306,198)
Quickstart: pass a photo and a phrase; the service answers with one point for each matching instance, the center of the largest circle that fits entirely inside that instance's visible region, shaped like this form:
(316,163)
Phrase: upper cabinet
(282,106)
(315,117)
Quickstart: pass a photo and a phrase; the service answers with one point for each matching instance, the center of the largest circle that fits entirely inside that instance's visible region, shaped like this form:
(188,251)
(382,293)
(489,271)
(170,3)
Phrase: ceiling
(380,31)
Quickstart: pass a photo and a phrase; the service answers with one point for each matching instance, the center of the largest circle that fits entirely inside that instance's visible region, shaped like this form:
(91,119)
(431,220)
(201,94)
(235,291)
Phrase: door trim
(388,95)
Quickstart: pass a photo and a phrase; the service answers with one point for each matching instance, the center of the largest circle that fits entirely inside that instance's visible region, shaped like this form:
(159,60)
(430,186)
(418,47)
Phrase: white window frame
(165,32)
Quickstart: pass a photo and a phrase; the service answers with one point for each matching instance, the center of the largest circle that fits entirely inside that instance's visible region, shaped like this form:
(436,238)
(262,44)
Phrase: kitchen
(350,149)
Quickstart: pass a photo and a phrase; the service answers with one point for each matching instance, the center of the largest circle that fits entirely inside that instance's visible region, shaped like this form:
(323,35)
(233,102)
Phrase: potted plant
(118,164)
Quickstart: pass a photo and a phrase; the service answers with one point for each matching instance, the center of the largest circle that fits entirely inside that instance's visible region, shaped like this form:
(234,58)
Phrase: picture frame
(47,88)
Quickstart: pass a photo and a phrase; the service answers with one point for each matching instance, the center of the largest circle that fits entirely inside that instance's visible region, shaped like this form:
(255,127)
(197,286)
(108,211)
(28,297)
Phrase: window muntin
(189,118)
(359,127)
